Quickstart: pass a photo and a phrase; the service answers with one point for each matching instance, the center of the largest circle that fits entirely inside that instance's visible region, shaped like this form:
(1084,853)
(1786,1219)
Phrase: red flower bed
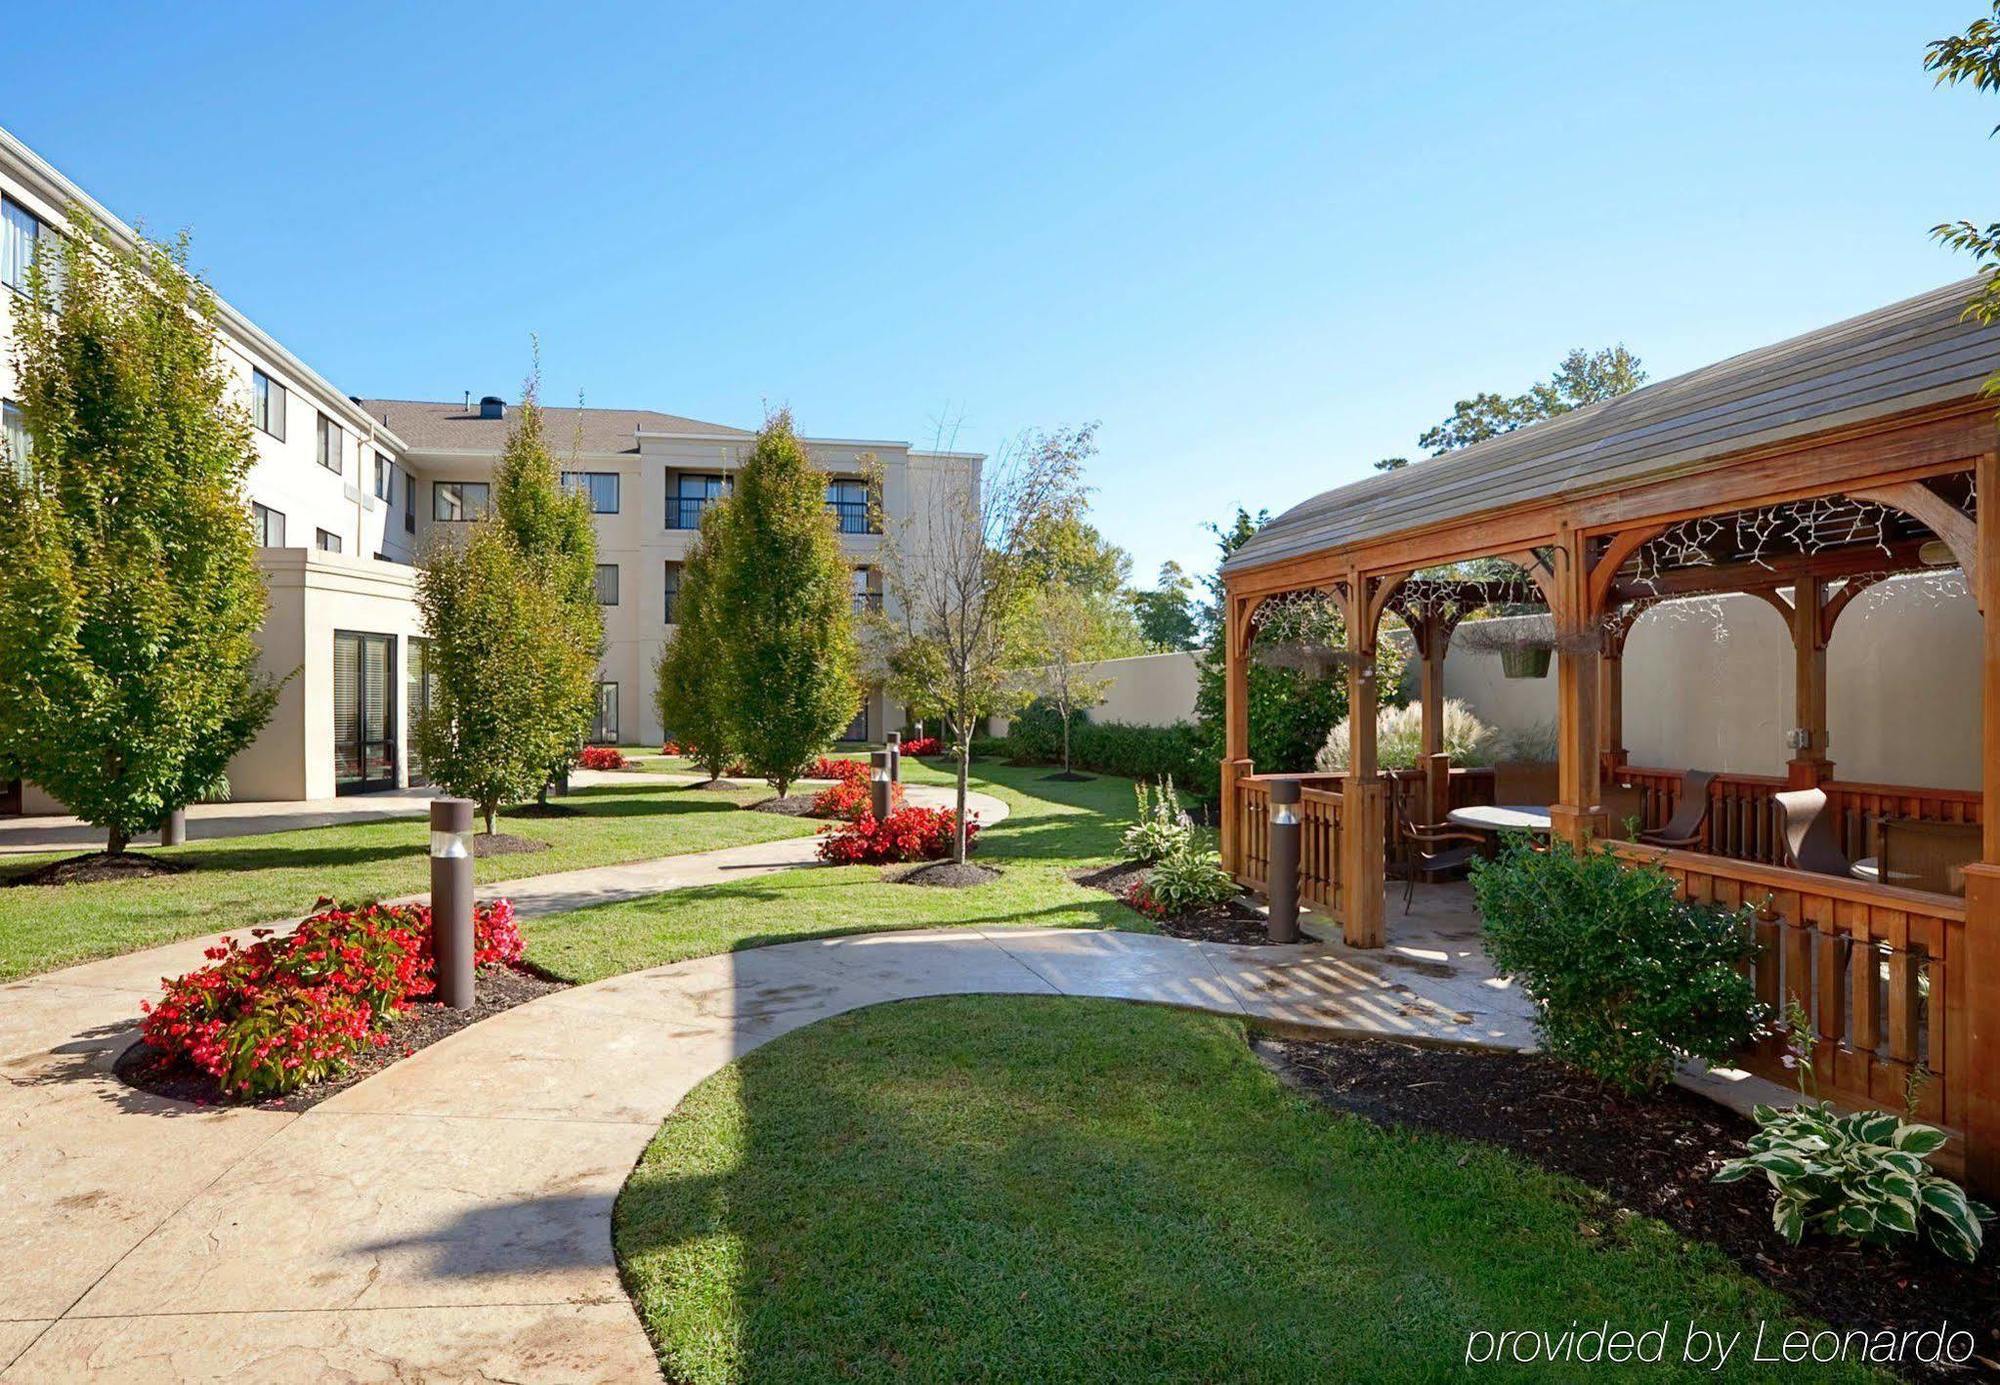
(671,748)
(1139,895)
(850,799)
(603,757)
(847,771)
(290,1009)
(908,834)
(923,746)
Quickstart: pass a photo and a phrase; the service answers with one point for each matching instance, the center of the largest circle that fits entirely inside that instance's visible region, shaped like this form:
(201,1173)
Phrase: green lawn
(1052,827)
(1020,1188)
(239,881)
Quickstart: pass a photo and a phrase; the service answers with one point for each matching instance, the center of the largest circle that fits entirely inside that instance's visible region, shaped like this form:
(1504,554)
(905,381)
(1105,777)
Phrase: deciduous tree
(1166,613)
(1973,56)
(1063,638)
(1581,377)
(129,593)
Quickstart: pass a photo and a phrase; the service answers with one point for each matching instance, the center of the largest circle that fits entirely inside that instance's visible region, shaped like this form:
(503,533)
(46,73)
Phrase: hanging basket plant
(1525,662)
(1524,644)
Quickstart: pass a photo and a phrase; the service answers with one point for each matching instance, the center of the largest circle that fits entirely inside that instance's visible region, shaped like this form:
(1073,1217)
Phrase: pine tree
(129,593)
(692,686)
(788,606)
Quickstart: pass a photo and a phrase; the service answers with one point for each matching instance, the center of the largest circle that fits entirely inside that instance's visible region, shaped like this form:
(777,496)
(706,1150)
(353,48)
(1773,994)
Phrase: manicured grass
(1020,1188)
(238,881)
(1052,828)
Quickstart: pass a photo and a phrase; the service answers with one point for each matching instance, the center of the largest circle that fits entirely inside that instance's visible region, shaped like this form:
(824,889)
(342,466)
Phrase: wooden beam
(1623,545)
(1850,588)
(1362,796)
(1809,766)
(1775,572)
(1952,525)
(1973,973)
(1574,816)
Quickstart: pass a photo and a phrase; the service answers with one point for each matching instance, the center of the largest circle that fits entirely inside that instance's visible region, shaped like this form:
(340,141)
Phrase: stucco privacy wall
(1708,683)
(1146,690)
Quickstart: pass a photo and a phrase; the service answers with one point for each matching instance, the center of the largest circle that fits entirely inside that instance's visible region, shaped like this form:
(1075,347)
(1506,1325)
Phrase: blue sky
(1263,245)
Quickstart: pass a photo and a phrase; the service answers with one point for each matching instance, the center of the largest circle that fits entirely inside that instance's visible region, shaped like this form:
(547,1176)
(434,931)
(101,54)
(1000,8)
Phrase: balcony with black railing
(865,602)
(684,511)
(851,517)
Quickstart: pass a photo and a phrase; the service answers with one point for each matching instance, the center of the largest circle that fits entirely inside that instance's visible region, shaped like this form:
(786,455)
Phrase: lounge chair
(1810,839)
(1683,829)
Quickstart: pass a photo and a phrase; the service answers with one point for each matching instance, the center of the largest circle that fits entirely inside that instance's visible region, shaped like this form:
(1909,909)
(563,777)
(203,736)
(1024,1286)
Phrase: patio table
(1501,817)
(1868,868)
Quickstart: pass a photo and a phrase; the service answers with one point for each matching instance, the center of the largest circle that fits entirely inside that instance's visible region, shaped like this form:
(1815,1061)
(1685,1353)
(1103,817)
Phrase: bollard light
(1283,885)
(174,828)
(451,899)
(895,757)
(880,788)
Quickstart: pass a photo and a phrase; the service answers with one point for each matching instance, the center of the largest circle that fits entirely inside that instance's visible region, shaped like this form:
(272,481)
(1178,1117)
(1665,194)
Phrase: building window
(22,236)
(604,727)
(267,404)
(693,494)
(385,479)
(457,501)
(857,730)
(607,584)
(331,447)
(326,541)
(268,525)
(673,590)
(866,598)
(600,486)
(410,512)
(19,447)
(847,502)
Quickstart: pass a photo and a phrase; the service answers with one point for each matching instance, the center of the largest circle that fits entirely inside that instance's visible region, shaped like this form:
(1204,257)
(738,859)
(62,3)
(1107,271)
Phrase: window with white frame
(22,236)
(269,525)
(267,404)
(326,541)
(331,447)
(455,501)
(607,584)
(673,590)
(600,486)
(14,439)
(385,479)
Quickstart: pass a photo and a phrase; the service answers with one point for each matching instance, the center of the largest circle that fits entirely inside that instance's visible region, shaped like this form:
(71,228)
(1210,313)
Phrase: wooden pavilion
(1801,473)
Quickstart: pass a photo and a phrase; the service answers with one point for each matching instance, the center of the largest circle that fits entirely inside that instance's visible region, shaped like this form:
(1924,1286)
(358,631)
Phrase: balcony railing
(684,511)
(864,602)
(851,516)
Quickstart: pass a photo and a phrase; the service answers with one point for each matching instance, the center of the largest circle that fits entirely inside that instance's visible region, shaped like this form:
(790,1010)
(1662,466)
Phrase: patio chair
(1683,829)
(1622,804)
(1433,849)
(1928,853)
(1531,783)
(1810,838)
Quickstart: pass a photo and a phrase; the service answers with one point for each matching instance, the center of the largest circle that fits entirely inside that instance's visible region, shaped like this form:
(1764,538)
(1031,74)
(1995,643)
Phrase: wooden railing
(1878,970)
(1253,831)
(1319,850)
(1743,822)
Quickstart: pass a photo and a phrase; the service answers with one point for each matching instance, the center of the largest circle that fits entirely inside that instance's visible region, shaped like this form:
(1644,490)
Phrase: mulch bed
(1653,1156)
(1230,922)
(794,805)
(98,867)
(497,988)
(949,875)
(504,844)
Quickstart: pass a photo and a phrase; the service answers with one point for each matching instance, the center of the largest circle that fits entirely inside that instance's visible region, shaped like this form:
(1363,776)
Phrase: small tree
(955,577)
(692,687)
(1063,636)
(506,652)
(552,528)
(1166,613)
(129,593)
(787,601)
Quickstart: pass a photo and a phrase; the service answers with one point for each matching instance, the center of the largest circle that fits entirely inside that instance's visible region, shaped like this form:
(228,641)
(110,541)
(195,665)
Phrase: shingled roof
(1917,352)
(451,427)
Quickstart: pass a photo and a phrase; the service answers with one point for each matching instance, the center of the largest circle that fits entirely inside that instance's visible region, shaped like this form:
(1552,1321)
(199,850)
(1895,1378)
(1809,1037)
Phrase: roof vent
(492,406)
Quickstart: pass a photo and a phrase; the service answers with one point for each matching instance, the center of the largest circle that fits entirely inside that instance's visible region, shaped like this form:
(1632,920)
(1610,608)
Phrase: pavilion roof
(1921,351)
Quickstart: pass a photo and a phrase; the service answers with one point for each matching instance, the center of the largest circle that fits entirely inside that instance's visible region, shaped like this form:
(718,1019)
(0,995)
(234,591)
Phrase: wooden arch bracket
(1958,530)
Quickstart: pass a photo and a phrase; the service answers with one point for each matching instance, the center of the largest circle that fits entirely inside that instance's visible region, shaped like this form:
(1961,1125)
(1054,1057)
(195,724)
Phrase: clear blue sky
(1263,245)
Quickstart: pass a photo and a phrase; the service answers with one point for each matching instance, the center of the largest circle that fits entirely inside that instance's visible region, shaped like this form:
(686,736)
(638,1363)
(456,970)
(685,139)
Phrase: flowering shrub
(291,1009)
(847,771)
(850,799)
(672,748)
(922,746)
(1139,895)
(908,834)
(603,757)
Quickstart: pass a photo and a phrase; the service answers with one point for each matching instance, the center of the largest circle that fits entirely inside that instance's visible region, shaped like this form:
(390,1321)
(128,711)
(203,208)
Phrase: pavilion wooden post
(1362,828)
(1236,727)
(1973,983)
(1611,702)
(1809,767)
(1575,817)
(1432,635)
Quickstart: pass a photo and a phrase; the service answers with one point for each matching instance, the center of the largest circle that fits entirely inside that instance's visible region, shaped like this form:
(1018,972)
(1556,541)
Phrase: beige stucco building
(346,492)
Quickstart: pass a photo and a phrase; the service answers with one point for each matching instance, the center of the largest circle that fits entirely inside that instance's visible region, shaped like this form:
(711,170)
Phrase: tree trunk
(964,772)
(1065,721)
(489,811)
(115,842)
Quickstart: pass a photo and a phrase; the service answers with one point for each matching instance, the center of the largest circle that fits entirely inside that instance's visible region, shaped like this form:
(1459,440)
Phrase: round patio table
(1501,817)
(1867,868)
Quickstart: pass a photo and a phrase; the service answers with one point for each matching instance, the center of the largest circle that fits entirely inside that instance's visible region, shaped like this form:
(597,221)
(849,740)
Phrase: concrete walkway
(449,1218)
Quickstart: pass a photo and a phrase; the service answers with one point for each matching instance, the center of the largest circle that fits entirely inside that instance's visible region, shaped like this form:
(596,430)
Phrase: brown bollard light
(1284,858)
(880,788)
(451,899)
(895,757)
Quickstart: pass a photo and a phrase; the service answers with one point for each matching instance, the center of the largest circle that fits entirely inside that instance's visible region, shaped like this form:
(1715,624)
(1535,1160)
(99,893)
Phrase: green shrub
(1189,878)
(1110,747)
(991,747)
(1162,827)
(1628,981)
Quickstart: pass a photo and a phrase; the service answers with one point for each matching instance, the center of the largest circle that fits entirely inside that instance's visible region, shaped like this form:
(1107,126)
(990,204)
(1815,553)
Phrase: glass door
(364,712)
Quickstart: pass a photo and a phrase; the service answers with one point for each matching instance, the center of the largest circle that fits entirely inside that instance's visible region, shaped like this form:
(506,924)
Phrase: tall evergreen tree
(129,593)
(692,687)
(788,608)
(553,530)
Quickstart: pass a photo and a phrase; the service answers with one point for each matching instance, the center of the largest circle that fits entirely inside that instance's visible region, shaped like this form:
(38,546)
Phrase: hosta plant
(1862,1176)
(1189,879)
(1162,827)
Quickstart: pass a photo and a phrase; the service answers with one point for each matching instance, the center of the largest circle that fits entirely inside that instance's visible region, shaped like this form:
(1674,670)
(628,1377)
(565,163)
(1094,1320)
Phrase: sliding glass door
(364,712)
